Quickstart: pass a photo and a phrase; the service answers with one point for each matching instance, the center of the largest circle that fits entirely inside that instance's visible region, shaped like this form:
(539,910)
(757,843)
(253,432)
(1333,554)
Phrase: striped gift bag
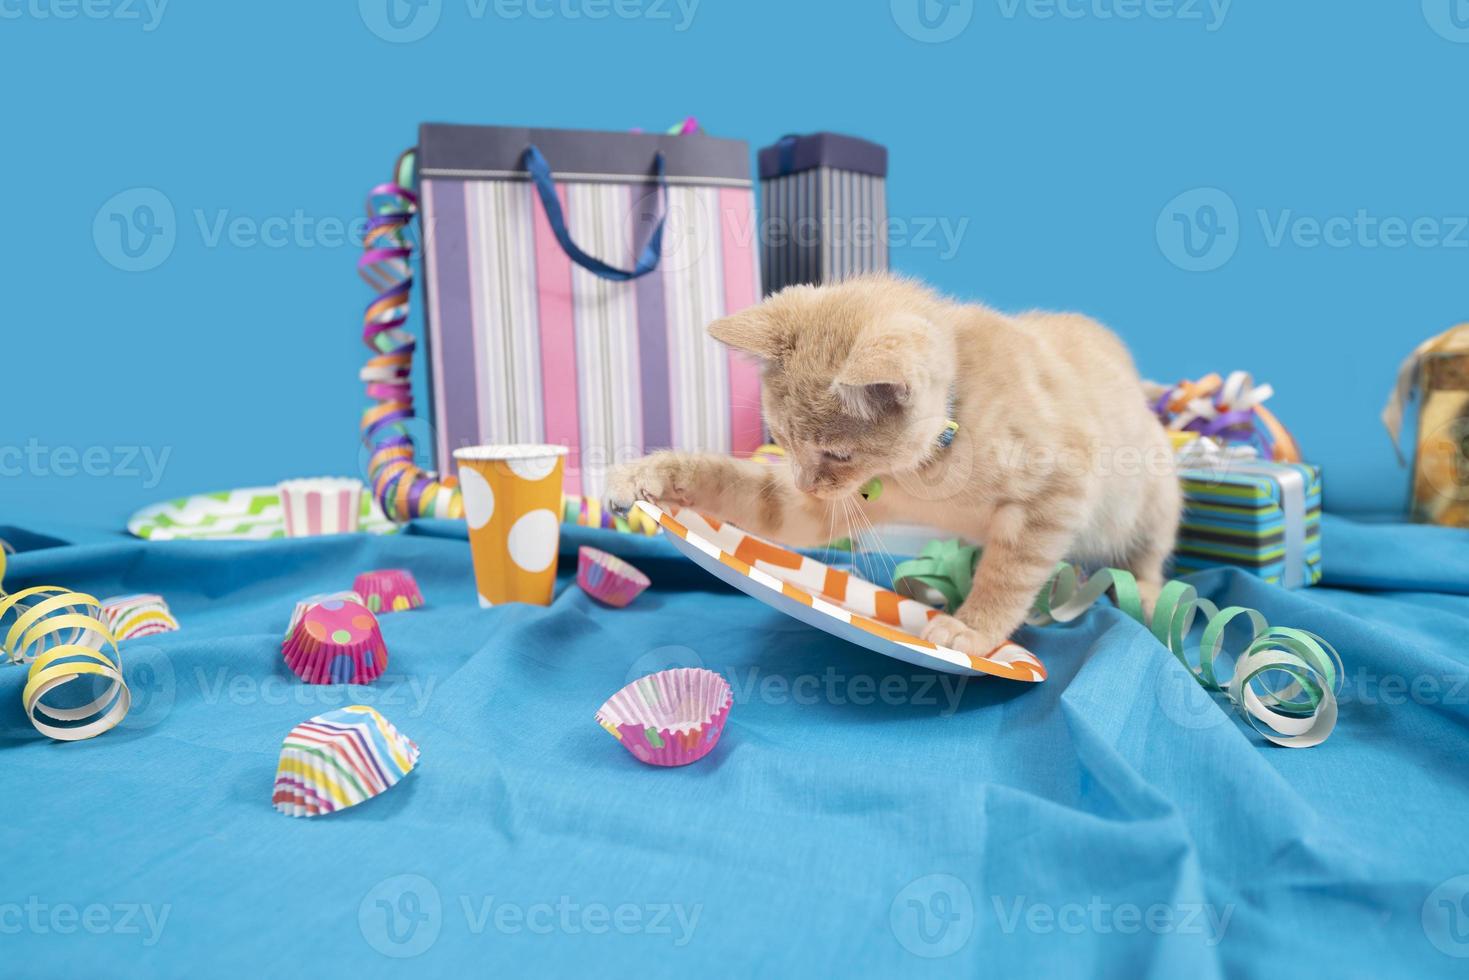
(825,217)
(570,277)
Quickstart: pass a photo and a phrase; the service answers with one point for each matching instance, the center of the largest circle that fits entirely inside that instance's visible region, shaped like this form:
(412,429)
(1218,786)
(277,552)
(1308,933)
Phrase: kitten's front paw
(946,631)
(662,478)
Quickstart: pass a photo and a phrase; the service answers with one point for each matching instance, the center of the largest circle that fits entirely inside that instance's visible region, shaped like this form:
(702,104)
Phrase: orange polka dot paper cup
(512,503)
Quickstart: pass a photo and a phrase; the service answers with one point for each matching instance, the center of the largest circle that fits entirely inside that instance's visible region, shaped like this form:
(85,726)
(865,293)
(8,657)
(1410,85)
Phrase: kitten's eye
(837,457)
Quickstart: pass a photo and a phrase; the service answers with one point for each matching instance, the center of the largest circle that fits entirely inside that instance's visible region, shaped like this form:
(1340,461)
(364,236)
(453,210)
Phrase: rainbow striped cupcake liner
(608,578)
(132,616)
(338,760)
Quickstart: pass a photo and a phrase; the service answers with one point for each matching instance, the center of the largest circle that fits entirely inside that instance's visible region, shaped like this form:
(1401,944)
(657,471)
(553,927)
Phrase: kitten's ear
(884,369)
(751,331)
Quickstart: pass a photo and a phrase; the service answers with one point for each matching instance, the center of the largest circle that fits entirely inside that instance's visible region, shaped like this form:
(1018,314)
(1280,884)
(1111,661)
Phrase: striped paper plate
(252,514)
(831,600)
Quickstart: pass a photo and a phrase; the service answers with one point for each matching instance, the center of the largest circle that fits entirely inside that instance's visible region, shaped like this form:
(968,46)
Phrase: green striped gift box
(1261,516)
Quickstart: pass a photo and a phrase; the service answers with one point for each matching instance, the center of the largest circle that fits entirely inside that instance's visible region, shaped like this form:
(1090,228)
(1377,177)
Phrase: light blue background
(1054,142)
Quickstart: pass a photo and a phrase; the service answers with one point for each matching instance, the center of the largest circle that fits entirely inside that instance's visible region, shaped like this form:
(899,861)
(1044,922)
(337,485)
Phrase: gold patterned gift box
(1434,380)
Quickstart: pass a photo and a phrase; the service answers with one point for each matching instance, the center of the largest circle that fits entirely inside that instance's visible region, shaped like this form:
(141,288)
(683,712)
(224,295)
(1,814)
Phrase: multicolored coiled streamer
(1284,681)
(589,512)
(46,627)
(1230,409)
(403,489)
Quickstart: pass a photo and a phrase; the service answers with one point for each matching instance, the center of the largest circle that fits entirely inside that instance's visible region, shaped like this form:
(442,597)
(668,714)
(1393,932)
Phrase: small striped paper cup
(320,505)
(608,578)
(670,718)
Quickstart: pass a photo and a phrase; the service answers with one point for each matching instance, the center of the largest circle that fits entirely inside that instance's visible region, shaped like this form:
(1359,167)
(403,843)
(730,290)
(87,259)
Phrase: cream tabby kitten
(1056,454)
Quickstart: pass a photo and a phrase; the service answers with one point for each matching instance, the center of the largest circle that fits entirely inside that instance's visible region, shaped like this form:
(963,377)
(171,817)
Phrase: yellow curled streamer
(49,628)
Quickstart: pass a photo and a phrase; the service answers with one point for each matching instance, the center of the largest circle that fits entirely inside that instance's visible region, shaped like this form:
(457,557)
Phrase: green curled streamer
(1284,681)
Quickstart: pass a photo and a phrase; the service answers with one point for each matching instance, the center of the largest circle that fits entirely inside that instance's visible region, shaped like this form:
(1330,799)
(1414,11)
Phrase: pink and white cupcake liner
(320,505)
(336,642)
(608,578)
(670,718)
(388,590)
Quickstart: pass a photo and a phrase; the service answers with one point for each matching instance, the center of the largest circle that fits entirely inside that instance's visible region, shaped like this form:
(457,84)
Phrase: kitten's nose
(805,478)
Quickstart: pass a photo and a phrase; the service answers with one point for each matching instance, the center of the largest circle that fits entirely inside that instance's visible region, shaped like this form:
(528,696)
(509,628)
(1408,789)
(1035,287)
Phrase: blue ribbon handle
(540,173)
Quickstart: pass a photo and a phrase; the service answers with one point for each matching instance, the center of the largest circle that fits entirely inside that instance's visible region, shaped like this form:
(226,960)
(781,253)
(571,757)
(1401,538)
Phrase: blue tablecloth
(858,817)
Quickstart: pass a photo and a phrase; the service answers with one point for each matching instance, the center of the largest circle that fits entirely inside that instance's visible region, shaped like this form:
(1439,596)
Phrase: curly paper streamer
(1284,681)
(403,489)
(47,627)
(1230,409)
(590,512)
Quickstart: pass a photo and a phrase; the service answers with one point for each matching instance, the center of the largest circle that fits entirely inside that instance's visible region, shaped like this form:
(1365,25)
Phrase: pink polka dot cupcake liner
(608,578)
(388,590)
(670,718)
(336,642)
(316,600)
